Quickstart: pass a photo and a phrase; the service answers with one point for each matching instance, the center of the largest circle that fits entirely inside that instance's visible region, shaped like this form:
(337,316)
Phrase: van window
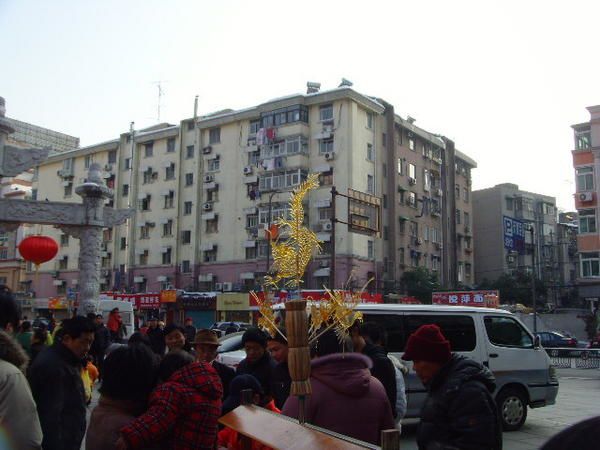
(507,332)
(392,323)
(459,330)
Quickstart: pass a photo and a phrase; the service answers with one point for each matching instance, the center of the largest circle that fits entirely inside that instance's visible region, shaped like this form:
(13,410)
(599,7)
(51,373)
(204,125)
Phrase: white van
(125,310)
(493,337)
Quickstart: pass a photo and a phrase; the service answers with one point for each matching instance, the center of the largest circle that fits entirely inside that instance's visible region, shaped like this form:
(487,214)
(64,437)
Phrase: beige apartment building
(203,190)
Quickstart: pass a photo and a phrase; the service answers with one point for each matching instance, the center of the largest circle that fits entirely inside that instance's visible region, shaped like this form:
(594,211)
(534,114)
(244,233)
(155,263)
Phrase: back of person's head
(329,343)
(26,326)
(255,335)
(129,373)
(10,313)
(238,384)
(138,338)
(172,362)
(373,332)
(40,335)
(76,326)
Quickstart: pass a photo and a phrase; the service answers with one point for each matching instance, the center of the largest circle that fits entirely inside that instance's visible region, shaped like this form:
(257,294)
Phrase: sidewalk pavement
(578,399)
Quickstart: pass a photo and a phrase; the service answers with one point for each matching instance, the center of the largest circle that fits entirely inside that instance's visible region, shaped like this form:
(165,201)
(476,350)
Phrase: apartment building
(23,135)
(203,189)
(505,205)
(586,162)
(567,258)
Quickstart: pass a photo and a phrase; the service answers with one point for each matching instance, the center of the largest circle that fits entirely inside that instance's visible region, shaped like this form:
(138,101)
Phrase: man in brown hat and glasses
(206,345)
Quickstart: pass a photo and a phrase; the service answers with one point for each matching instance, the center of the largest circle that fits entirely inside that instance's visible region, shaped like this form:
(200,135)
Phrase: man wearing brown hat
(459,412)
(206,344)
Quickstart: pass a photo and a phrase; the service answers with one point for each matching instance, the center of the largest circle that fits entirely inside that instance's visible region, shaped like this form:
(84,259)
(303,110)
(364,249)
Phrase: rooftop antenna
(160,94)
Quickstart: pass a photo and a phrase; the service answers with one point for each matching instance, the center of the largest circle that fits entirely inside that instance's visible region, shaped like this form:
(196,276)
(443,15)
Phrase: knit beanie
(427,344)
(254,335)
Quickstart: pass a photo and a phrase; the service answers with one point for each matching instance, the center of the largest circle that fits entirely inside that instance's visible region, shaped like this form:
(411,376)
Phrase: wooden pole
(296,324)
(390,440)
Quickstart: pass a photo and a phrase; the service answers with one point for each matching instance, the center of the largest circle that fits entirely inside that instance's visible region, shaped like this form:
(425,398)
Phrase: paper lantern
(38,249)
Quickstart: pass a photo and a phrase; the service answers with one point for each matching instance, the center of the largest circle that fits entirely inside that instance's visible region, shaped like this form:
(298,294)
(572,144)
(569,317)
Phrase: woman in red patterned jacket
(182,412)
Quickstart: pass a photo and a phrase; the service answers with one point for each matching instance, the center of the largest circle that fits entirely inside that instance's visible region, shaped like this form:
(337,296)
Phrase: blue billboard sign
(514,235)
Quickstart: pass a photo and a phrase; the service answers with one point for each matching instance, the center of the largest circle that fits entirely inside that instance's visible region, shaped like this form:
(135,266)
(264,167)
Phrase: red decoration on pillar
(38,249)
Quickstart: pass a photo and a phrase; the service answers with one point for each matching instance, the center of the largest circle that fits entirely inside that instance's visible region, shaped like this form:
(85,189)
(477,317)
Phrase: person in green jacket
(24,336)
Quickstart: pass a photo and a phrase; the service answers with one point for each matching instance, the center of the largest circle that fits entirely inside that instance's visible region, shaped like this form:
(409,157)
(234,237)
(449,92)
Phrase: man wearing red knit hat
(459,412)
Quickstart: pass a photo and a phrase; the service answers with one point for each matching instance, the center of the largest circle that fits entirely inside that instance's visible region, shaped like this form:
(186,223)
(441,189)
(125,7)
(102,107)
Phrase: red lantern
(38,249)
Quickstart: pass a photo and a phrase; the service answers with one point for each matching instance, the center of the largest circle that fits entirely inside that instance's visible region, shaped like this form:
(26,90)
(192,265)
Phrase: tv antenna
(160,95)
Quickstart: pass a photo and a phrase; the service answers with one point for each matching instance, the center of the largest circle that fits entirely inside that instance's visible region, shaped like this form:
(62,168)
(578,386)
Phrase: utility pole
(333,220)
(268,234)
(533,299)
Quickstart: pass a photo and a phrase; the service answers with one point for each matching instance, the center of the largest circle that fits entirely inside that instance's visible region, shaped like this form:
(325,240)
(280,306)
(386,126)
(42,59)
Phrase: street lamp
(269,228)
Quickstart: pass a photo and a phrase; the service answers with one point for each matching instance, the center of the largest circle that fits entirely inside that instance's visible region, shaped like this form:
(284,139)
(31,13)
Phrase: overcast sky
(504,79)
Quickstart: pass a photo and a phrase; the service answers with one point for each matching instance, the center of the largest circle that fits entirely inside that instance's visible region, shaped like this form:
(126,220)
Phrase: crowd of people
(164,389)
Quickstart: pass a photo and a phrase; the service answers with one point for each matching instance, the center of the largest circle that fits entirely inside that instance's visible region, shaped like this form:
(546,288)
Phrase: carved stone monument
(82,221)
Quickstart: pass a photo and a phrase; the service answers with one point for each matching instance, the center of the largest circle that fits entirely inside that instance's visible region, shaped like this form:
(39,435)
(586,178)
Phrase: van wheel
(512,407)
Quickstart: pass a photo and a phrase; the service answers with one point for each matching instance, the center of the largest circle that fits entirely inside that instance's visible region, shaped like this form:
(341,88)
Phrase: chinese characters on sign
(514,235)
(140,301)
(364,212)
(489,299)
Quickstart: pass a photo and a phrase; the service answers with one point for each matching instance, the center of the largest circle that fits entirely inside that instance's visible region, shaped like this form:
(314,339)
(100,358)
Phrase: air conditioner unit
(207,150)
(419,241)
(217,157)
(227,287)
(585,196)
(327,128)
(323,263)
(208,178)
(329,156)
(467,229)
(208,206)
(327,226)
(218,286)
(248,170)
(412,181)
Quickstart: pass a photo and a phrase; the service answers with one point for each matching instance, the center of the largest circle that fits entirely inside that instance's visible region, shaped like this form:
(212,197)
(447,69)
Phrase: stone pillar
(94,193)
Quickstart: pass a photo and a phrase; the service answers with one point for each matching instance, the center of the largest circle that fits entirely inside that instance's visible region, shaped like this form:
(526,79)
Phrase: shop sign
(140,301)
(168,296)
(488,299)
(315,296)
(57,303)
(232,302)
(198,302)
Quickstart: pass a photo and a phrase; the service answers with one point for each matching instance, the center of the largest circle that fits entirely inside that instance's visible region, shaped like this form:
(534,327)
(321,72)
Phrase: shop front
(233,307)
(200,307)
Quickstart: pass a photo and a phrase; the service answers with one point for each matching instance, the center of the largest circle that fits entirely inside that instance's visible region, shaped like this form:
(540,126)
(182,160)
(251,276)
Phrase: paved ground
(578,398)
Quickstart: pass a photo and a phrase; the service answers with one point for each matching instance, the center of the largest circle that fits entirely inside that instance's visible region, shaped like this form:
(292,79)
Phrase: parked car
(594,343)
(39,321)
(231,351)
(553,339)
(224,328)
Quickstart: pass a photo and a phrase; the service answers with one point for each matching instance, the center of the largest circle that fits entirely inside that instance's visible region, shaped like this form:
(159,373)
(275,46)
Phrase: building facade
(492,207)
(203,190)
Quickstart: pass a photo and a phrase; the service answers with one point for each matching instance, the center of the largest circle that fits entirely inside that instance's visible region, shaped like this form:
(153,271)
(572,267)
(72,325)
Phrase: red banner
(140,301)
(315,296)
(489,299)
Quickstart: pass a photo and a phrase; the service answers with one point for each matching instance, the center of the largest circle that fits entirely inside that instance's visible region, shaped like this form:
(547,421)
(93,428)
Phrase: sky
(504,79)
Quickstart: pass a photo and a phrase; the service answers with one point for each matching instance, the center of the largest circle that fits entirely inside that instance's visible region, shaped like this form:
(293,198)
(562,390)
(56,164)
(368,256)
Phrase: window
(326,178)
(148,176)
(279,211)
(64,240)
(282,180)
(510,203)
(186,267)
(461,272)
(68,190)
(168,228)
(411,144)
(212,195)
(325,213)
(466,217)
(107,235)
(212,226)
(170,145)
(187,208)
(214,164)
(369,120)
(251,220)
(370,155)
(170,200)
(127,163)
(254,126)
(468,270)
(34,193)
(583,140)
(144,258)
(125,191)
(250,252)
(370,184)
(189,179)
(148,150)
(457,216)
(507,332)
(295,113)
(466,195)
(123,245)
(402,226)
(459,330)
(88,161)
(112,157)
(166,256)
(3,255)
(590,264)
(63,263)
(384,201)
(400,167)
(425,233)
(412,171)
(411,199)
(326,112)
(383,139)
(170,172)
(426,180)
(214,136)
(384,170)
(144,204)
(253,158)
(210,255)
(186,237)
(401,255)
(585,178)
(325,146)
(587,221)
(190,125)
(386,232)
(457,191)
(370,250)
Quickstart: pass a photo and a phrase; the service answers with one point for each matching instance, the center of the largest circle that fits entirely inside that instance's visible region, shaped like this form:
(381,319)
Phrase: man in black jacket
(459,412)
(101,343)
(55,379)
(258,362)
(369,339)
(206,344)
(156,336)
(281,380)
